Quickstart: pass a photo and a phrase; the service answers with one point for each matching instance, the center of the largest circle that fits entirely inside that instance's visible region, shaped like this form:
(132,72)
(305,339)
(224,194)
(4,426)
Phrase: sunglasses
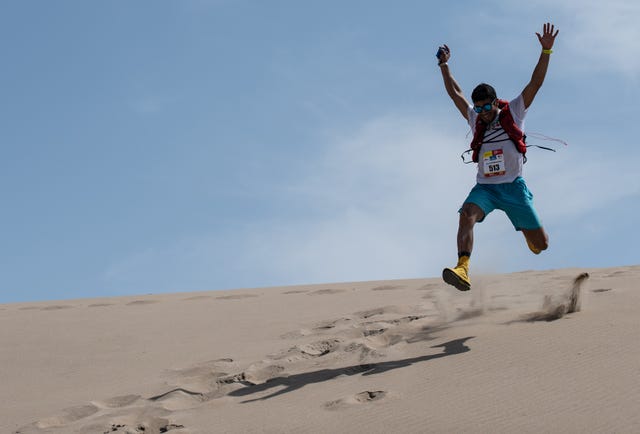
(483,108)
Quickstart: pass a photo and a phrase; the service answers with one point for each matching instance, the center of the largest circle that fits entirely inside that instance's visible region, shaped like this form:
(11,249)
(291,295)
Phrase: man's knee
(470,214)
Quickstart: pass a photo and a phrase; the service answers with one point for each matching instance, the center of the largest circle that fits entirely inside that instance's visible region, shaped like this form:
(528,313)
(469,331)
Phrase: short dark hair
(483,91)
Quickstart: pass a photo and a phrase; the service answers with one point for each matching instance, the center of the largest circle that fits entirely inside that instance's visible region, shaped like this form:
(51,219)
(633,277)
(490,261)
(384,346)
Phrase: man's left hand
(548,36)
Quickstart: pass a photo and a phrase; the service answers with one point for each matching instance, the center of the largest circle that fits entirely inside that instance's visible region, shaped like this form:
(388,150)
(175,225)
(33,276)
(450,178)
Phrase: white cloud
(596,35)
(606,35)
(576,180)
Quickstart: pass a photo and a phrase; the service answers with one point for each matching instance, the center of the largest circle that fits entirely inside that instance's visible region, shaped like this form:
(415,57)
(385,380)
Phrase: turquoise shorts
(514,198)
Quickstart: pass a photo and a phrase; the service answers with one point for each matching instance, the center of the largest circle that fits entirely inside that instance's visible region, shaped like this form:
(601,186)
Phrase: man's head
(483,91)
(485,102)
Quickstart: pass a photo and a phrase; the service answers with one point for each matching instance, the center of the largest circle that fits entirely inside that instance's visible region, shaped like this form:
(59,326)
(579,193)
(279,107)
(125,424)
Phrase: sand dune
(535,351)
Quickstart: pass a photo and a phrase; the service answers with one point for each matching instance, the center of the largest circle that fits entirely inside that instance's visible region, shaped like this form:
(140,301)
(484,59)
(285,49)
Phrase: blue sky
(166,146)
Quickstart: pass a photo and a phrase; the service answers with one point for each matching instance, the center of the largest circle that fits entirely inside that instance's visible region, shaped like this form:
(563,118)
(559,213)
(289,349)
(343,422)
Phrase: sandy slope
(395,356)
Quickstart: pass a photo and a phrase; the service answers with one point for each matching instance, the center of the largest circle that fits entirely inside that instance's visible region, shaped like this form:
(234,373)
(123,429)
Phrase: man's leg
(537,239)
(518,204)
(458,276)
(470,214)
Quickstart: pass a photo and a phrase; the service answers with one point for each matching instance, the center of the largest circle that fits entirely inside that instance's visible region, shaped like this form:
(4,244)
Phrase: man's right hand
(443,54)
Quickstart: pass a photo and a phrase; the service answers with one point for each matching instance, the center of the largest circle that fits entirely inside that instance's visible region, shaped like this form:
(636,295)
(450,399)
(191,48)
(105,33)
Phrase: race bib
(493,163)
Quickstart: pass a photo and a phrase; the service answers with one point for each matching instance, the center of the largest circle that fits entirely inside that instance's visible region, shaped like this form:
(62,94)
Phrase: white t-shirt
(498,160)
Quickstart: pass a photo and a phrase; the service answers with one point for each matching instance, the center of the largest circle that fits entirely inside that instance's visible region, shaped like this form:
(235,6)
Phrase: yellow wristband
(547,51)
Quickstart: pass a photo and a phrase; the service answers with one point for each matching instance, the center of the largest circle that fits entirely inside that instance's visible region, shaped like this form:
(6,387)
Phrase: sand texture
(529,352)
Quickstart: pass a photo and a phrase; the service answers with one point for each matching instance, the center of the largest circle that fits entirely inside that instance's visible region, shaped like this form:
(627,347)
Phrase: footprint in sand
(378,311)
(333,326)
(327,291)
(152,426)
(180,399)
(236,297)
(387,287)
(197,297)
(142,302)
(357,399)
(308,351)
(330,325)
(295,291)
(602,290)
(397,321)
(58,307)
(257,373)
(317,349)
(198,378)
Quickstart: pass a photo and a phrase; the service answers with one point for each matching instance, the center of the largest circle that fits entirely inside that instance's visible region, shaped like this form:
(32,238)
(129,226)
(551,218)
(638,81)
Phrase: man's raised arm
(540,71)
(450,84)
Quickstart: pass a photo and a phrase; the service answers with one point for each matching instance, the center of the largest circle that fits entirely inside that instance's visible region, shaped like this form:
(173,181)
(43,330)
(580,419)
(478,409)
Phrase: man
(498,148)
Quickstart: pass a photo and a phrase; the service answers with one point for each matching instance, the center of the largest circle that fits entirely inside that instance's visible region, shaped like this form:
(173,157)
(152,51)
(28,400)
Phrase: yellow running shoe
(459,275)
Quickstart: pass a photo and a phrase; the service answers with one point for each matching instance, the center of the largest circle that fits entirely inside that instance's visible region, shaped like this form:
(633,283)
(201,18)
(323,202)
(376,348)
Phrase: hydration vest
(505,118)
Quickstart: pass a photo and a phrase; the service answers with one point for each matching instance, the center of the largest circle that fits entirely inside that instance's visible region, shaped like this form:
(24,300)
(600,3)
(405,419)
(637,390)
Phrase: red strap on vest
(507,123)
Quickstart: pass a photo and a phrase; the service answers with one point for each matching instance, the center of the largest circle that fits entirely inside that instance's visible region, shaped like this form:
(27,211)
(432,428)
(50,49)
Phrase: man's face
(487,109)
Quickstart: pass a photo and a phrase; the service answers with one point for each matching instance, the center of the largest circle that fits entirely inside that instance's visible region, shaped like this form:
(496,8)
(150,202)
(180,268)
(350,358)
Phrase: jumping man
(498,147)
